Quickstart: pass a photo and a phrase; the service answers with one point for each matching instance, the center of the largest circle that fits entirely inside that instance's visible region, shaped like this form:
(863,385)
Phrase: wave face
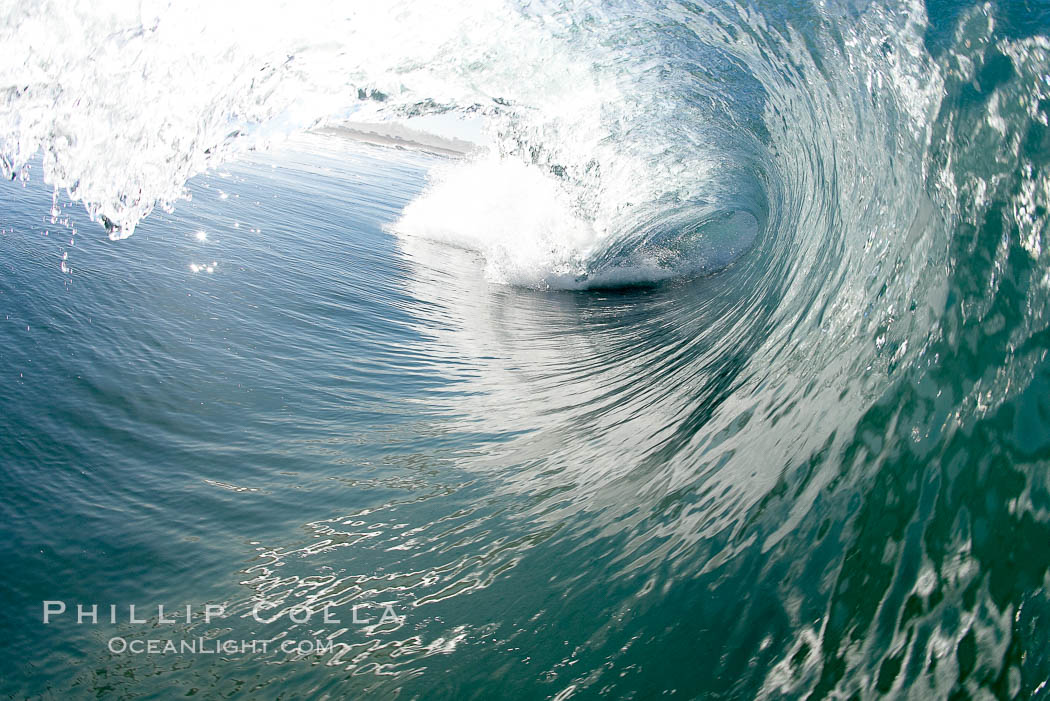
(811,364)
(631,143)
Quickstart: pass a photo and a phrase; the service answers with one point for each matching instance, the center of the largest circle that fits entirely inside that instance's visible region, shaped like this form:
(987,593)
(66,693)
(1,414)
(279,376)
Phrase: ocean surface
(699,351)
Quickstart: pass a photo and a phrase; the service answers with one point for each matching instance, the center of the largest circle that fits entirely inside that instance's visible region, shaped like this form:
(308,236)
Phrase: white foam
(518,218)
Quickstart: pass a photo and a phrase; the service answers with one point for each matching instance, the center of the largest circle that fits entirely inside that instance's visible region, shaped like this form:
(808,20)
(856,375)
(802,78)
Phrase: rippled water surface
(717,370)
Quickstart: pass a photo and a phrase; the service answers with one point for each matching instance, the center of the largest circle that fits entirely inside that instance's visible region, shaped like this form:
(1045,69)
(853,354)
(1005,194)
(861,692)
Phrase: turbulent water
(717,369)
